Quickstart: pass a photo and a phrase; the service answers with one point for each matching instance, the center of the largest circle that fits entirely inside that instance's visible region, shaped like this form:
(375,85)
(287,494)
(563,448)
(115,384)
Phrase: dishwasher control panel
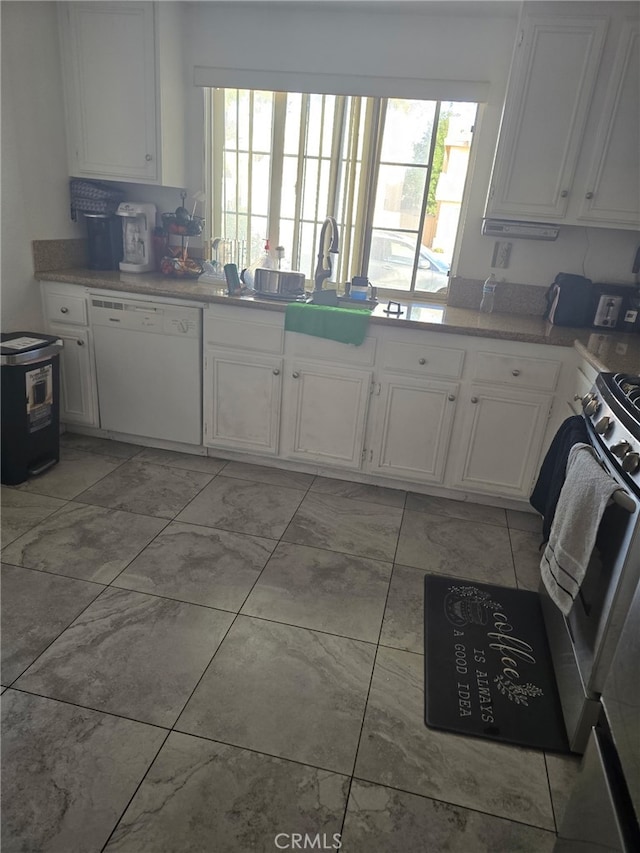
(146,317)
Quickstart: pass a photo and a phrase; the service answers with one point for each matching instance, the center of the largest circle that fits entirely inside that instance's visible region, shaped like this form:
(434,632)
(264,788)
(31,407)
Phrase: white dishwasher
(149,368)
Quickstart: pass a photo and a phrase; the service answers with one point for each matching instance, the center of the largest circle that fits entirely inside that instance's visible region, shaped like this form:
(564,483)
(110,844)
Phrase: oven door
(583,643)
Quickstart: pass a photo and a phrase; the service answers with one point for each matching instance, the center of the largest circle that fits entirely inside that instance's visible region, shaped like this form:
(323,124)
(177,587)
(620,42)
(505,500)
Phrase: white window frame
(351,259)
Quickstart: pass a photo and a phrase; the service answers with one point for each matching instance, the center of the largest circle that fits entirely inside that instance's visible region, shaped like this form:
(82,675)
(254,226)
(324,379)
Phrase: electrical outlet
(501,254)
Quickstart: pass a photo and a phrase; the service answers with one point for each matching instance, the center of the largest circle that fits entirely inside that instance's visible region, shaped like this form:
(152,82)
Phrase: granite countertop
(609,351)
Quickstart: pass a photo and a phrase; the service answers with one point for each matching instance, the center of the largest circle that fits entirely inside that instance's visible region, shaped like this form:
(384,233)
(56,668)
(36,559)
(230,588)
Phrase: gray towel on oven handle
(586,492)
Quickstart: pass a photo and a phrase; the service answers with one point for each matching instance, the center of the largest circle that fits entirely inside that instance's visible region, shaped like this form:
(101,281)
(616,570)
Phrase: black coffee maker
(105,241)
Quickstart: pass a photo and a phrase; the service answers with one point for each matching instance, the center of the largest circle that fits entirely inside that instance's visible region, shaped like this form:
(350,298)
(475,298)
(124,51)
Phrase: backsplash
(58,254)
(510,298)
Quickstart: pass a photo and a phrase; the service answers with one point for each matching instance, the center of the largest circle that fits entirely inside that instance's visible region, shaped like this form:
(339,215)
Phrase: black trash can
(30,368)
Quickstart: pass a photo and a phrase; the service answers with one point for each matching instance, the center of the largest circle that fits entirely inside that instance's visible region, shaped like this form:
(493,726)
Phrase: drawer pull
(295,374)
(422,361)
(80,343)
(515,372)
(474,399)
(148,157)
(564,193)
(451,397)
(276,372)
(64,310)
(589,195)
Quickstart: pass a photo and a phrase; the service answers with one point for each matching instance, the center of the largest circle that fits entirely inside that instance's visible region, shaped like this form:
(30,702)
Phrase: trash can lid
(12,343)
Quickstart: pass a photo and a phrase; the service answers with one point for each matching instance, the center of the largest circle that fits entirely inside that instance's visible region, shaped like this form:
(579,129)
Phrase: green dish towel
(347,325)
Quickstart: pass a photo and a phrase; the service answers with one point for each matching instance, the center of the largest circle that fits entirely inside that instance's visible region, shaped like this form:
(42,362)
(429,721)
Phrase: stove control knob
(591,407)
(584,399)
(631,462)
(620,449)
(603,426)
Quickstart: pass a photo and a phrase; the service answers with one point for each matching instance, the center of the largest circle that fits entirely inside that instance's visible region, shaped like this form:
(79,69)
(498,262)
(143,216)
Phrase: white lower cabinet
(242,401)
(78,404)
(324,413)
(412,426)
(498,447)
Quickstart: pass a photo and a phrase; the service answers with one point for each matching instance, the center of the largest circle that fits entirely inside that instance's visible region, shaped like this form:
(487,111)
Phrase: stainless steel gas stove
(583,642)
(595,648)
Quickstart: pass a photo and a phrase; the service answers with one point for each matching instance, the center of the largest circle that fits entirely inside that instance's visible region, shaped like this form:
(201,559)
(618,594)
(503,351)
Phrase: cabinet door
(499,447)
(242,401)
(108,52)
(412,426)
(550,90)
(613,184)
(78,404)
(324,414)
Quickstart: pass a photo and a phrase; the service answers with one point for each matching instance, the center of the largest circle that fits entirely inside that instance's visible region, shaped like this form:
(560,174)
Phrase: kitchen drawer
(539,374)
(230,330)
(66,309)
(322,349)
(423,360)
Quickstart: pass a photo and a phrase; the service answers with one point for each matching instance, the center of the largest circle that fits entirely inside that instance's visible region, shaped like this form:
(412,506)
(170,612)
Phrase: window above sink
(391,171)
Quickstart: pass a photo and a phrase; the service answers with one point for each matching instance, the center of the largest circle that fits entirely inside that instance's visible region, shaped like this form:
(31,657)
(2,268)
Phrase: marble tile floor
(201,655)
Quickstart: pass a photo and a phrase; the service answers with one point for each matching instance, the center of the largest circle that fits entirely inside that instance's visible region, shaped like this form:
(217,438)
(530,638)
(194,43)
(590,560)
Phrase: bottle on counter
(488,295)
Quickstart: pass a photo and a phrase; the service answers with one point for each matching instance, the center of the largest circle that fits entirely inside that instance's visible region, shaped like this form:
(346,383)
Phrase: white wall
(35,195)
(461,41)
(456,41)
(380,41)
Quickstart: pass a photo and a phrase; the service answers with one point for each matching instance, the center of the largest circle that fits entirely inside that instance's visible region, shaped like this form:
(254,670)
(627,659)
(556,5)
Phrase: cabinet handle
(276,372)
(422,361)
(564,193)
(148,157)
(515,372)
(474,399)
(295,374)
(64,310)
(80,343)
(451,397)
(589,195)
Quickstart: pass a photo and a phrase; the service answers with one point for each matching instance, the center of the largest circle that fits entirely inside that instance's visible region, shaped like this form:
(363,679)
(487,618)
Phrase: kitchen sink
(343,302)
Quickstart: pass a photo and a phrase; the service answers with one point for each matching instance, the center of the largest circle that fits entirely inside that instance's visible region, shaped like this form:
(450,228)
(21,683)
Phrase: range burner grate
(627,389)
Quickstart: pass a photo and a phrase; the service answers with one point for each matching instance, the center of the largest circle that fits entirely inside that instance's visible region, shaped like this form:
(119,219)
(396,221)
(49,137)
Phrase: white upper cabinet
(613,181)
(550,89)
(121,67)
(568,150)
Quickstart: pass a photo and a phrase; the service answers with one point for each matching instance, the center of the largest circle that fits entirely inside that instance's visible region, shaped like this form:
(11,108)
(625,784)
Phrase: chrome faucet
(324,267)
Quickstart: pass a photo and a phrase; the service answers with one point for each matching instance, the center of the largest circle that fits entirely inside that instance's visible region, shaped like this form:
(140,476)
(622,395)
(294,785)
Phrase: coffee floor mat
(488,669)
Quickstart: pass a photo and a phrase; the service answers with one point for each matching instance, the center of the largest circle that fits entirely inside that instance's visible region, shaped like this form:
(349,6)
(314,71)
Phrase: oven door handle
(620,496)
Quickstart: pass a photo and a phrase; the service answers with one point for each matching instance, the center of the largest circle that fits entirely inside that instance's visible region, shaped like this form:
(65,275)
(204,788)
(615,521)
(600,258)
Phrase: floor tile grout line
(139,785)
(117,467)
(211,478)
(366,702)
(456,806)
(513,561)
(4,544)
(57,637)
(358,742)
(450,517)
(255,751)
(19,689)
(553,806)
